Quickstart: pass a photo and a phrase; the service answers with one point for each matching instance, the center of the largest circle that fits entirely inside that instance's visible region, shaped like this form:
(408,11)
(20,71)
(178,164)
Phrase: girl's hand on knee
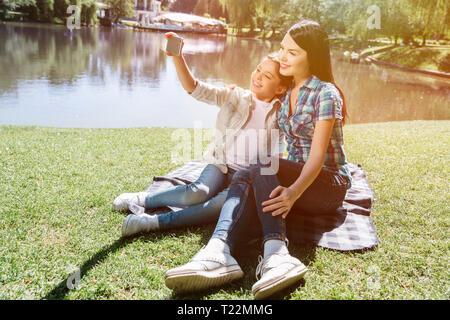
(281,201)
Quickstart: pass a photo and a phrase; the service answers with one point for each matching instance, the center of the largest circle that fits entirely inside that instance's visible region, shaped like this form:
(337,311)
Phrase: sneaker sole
(125,227)
(269,288)
(191,280)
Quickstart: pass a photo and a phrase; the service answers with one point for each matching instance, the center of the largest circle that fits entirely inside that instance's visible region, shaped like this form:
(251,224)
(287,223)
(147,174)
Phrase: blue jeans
(242,218)
(203,198)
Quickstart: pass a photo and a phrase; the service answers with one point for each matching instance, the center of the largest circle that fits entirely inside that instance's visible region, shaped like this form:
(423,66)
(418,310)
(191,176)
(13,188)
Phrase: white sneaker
(124,201)
(275,273)
(134,224)
(205,270)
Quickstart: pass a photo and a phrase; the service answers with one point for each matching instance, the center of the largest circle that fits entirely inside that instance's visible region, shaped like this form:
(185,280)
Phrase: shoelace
(262,264)
(137,210)
(260,267)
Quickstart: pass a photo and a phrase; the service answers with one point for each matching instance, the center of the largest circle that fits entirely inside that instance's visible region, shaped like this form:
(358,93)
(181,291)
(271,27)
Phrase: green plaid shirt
(317,100)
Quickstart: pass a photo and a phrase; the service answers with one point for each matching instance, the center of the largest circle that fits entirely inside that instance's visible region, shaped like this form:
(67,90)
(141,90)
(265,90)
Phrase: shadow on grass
(62,289)
(247,257)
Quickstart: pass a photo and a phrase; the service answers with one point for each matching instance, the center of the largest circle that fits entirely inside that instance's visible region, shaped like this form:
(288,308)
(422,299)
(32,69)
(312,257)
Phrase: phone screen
(174,45)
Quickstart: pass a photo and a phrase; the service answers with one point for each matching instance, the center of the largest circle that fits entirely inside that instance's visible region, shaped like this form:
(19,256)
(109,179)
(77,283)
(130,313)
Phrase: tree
(186,6)
(13,4)
(240,12)
(201,7)
(121,8)
(211,7)
(216,10)
(333,13)
(165,4)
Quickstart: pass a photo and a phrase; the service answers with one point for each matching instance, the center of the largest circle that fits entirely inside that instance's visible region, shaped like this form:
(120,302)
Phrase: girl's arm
(313,165)
(281,198)
(184,74)
(206,93)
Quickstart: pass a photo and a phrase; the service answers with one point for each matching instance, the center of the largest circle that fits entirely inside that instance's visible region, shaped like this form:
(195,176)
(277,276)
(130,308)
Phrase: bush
(444,63)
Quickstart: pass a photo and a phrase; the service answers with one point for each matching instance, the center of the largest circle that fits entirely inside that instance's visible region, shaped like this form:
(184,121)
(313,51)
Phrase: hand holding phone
(174,44)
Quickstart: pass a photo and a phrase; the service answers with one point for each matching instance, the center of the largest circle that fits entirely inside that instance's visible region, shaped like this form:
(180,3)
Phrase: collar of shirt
(266,105)
(274,103)
(311,83)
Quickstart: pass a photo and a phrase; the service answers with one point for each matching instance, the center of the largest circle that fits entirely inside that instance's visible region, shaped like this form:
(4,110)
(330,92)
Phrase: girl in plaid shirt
(313,180)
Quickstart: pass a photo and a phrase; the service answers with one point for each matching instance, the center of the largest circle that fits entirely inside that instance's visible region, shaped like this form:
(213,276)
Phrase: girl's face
(293,59)
(265,83)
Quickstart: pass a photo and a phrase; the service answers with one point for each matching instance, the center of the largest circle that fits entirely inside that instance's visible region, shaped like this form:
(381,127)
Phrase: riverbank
(421,59)
(434,58)
(58,186)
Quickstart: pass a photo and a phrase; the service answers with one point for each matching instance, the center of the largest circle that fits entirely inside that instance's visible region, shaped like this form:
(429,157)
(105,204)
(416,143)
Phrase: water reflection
(119,78)
(384,94)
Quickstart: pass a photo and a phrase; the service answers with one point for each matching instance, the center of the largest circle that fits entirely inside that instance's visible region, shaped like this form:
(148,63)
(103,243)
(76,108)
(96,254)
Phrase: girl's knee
(194,193)
(242,175)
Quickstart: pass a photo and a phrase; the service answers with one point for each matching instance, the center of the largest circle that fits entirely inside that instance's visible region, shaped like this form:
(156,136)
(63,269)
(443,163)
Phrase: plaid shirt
(317,100)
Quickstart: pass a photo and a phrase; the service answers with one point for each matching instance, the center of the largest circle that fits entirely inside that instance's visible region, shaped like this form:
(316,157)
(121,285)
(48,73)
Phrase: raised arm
(184,74)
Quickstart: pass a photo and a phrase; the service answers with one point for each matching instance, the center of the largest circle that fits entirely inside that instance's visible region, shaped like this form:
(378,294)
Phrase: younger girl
(242,112)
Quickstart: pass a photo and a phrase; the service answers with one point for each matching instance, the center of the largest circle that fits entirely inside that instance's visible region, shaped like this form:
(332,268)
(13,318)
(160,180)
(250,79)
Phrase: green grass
(57,186)
(423,57)
(129,23)
(376,48)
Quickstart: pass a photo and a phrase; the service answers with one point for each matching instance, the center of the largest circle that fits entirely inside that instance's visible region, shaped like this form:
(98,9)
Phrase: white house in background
(146,10)
(104,10)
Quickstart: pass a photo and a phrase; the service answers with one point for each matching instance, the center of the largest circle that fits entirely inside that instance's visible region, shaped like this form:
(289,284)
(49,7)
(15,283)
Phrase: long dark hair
(311,37)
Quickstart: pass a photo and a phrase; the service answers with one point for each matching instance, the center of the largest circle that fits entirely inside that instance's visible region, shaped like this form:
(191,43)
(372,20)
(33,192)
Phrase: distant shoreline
(369,57)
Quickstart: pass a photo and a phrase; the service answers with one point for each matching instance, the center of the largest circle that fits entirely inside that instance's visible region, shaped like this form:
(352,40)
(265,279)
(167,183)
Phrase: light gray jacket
(235,105)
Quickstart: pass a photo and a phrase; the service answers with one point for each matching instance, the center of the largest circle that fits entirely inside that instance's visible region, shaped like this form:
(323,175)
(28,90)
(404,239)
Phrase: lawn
(56,219)
(423,57)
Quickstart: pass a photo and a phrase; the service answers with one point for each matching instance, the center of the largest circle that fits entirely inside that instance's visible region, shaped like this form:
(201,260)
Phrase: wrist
(296,191)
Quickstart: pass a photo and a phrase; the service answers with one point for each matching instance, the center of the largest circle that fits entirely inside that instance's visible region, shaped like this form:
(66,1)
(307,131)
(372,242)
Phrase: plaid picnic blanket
(350,228)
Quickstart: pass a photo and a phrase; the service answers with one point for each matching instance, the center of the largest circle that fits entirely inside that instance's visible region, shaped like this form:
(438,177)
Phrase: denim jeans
(239,221)
(242,218)
(203,198)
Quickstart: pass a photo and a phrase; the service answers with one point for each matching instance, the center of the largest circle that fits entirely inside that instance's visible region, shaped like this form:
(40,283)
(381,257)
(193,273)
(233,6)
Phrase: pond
(118,78)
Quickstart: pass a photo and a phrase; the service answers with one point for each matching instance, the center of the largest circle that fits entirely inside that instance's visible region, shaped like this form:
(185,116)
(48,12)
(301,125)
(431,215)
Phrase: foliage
(52,10)
(444,64)
(185,6)
(407,20)
(404,19)
(213,8)
(121,8)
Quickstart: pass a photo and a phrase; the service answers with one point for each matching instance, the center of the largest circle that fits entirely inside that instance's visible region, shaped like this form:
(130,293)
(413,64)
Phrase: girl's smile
(264,83)
(284,66)
(293,59)
(256,85)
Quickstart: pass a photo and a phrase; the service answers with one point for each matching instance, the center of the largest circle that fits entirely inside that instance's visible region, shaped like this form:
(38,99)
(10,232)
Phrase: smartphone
(174,45)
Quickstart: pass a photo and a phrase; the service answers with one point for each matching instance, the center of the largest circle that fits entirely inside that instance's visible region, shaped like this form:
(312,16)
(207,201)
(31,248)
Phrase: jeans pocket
(336,199)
